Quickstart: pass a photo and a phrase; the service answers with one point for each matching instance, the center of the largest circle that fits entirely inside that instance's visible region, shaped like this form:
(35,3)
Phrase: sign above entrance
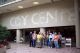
(40,18)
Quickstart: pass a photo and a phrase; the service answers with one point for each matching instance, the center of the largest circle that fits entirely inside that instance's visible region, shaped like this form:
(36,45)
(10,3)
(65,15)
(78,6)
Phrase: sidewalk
(24,48)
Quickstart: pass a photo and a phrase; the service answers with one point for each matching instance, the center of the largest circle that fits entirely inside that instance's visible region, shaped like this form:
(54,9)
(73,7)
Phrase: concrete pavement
(24,48)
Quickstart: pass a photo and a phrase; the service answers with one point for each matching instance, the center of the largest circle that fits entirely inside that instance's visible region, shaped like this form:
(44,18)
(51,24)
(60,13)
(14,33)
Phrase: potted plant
(4,34)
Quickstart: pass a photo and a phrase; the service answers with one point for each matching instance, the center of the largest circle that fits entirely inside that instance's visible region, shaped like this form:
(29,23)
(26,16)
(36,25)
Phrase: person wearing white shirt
(50,40)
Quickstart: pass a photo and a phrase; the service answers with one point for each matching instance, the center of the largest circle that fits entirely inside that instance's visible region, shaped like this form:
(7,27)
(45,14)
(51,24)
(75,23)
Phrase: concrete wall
(77,23)
(47,15)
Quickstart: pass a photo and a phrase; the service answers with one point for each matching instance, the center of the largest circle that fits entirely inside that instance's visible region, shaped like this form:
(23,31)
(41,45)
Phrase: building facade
(63,13)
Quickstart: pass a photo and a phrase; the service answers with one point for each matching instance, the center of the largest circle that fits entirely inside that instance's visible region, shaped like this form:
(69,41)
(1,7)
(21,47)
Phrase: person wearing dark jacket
(30,39)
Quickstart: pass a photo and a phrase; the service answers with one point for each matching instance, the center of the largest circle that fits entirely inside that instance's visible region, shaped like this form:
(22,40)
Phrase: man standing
(50,40)
(34,36)
(56,38)
(52,43)
(60,38)
(39,40)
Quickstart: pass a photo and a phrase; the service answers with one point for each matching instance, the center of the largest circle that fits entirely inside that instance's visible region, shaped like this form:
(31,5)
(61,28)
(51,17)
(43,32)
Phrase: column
(42,30)
(18,34)
(77,23)
(24,35)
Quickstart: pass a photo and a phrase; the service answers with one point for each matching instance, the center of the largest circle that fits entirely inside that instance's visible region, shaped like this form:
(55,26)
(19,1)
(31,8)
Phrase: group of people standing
(48,39)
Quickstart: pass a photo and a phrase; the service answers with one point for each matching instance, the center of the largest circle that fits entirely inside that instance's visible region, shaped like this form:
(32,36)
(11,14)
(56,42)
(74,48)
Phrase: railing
(2,2)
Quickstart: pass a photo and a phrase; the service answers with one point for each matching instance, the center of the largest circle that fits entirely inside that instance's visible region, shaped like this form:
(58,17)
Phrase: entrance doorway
(66,31)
